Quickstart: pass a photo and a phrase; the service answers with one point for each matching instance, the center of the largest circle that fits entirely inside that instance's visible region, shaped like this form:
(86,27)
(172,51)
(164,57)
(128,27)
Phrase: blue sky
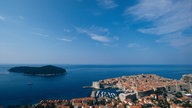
(95,32)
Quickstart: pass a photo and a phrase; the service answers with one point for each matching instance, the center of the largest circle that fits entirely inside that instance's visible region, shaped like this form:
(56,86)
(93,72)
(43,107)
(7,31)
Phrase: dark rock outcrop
(47,70)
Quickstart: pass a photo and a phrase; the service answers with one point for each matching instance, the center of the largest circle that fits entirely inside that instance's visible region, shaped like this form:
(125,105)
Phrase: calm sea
(14,88)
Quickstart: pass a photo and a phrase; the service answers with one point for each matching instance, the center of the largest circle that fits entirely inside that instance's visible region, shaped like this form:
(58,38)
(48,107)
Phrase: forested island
(47,70)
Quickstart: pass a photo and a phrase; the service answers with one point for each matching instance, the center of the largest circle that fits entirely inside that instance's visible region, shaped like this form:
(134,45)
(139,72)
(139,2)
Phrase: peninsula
(136,91)
(47,70)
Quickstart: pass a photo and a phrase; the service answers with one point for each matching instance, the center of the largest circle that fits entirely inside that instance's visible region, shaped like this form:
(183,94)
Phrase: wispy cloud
(99,38)
(2,18)
(66,40)
(133,45)
(96,29)
(93,36)
(66,30)
(168,17)
(99,34)
(107,4)
(150,10)
(176,40)
(21,17)
(40,34)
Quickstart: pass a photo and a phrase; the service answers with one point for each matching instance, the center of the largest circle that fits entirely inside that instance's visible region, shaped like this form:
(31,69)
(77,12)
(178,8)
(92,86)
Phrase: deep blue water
(14,88)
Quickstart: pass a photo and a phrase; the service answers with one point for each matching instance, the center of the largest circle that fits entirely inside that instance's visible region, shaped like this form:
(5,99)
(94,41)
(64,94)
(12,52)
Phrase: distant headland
(47,70)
